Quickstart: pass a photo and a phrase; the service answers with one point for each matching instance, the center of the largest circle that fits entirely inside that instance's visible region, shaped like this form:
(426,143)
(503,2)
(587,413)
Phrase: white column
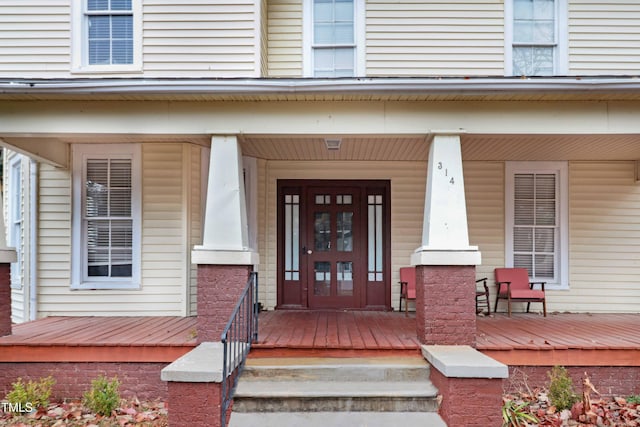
(445,234)
(225,240)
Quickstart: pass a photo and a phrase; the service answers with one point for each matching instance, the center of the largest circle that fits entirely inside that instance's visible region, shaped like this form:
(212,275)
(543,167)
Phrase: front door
(333,245)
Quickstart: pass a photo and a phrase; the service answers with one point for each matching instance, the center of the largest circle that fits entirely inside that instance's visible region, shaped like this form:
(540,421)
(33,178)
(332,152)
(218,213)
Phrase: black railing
(240,332)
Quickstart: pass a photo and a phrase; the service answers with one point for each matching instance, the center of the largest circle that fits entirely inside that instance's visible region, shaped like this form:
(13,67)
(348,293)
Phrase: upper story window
(107,36)
(333,38)
(536,29)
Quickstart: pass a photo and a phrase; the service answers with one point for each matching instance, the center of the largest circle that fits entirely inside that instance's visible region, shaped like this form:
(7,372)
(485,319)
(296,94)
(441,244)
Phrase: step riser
(354,404)
(347,373)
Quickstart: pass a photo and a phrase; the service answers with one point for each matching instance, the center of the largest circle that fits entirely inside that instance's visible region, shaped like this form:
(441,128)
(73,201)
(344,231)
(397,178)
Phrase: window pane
(523,239)
(322,11)
(323,34)
(546,212)
(345,278)
(322,235)
(524,186)
(343,33)
(544,266)
(545,241)
(544,9)
(523,261)
(345,232)
(322,275)
(523,9)
(98,4)
(120,4)
(530,61)
(344,11)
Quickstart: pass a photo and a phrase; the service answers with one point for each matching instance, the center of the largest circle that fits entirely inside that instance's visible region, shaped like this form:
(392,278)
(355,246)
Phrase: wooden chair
(407,287)
(514,286)
(482,297)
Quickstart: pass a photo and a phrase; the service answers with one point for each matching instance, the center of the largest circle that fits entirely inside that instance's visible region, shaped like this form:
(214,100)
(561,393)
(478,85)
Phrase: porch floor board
(99,339)
(524,339)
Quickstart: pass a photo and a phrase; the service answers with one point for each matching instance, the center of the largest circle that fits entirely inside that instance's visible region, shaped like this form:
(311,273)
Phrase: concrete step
(336,419)
(335,385)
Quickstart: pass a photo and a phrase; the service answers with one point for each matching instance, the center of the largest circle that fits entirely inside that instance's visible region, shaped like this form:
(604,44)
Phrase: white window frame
(307,38)
(81,153)
(560,57)
(561,170)
(16,218)
(80,46)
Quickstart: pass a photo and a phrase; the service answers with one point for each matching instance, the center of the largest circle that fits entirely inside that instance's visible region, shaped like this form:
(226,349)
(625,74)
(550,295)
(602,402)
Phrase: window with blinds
(109,32)
(106,229)
(535,224)
(107,220)
(536,221)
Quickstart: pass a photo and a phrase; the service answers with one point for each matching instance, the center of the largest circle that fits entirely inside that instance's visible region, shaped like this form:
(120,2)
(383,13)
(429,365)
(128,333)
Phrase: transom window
(106,233)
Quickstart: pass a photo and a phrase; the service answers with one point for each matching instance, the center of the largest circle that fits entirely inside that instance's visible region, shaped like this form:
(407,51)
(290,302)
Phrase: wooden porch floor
(99,339)
(523,339)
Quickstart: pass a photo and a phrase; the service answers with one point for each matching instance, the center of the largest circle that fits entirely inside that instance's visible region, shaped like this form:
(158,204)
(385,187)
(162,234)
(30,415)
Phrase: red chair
(514,286)
(407,287)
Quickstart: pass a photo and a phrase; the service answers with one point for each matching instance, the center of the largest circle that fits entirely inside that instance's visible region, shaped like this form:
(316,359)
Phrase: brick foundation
(141,380)
(469,402)
(608,380)
(5,299)
(219,289)
(446,305)
(194,404)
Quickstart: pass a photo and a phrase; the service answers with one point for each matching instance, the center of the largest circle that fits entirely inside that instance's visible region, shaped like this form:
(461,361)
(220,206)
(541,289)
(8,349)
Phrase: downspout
(33,240)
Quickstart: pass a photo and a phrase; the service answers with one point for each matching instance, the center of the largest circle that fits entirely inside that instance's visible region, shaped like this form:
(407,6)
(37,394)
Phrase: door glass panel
(345,231)
(322,235)
(291,237)
(345,278)
(322,278)
(374,238)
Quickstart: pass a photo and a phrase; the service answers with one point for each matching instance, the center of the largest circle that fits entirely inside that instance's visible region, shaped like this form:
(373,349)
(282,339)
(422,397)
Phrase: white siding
(284,38)
(604,37)
(435,38)
(200,38)
(604,239)
(164,268)
(35,38)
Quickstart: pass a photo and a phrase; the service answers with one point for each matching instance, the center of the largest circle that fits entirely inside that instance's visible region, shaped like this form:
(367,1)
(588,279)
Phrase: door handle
(306,251)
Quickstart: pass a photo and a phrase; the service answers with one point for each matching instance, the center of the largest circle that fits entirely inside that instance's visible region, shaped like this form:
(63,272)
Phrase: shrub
(516,414)
(634,399)
(561,391)
(103,397)
(33,394)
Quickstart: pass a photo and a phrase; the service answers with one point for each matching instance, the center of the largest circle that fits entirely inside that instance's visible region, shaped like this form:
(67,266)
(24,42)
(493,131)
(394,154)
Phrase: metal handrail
(241,330)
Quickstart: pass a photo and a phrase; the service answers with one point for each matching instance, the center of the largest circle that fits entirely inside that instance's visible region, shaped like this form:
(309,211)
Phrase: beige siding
(196,211)
(284,38)
(200,38)
(604,37)
(35,38)
(407,200)
(443,38)
(164,268)
(604,239)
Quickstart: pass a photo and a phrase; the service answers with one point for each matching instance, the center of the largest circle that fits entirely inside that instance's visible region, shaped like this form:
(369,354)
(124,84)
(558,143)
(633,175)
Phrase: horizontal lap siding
(604,239)
(198,38)
(196,210)
(417,38)
(604,37)
(163,240)
(35,38)
(284,35)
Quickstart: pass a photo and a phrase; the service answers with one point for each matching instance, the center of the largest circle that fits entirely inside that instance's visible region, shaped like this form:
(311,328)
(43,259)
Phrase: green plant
(634,399)
(561,391)
(32,394)
(515,414)
(103,397)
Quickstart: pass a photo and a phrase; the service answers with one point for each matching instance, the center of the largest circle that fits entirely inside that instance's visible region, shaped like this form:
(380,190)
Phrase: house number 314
(446,172)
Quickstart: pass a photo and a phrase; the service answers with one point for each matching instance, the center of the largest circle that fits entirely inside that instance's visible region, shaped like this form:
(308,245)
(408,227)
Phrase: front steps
(376,391)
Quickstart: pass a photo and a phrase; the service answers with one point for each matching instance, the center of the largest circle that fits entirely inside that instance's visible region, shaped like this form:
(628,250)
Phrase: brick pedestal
(219,289)
(194,404)
(5,299)
(470,402)
(445,304)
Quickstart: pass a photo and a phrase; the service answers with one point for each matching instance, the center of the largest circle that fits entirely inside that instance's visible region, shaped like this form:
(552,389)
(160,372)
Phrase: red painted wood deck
(99,339)
(523,339)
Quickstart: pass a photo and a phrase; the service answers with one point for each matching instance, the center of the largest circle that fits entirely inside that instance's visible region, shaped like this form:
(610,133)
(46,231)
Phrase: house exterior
(294,136)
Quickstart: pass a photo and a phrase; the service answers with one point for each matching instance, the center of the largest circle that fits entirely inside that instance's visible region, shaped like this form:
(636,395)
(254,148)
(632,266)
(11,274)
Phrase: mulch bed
(74,414)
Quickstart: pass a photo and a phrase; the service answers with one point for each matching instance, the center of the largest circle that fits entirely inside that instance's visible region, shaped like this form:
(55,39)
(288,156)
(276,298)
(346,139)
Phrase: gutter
(363,86)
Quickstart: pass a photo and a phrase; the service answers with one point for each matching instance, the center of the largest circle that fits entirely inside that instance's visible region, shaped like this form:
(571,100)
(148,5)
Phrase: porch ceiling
(483,147)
